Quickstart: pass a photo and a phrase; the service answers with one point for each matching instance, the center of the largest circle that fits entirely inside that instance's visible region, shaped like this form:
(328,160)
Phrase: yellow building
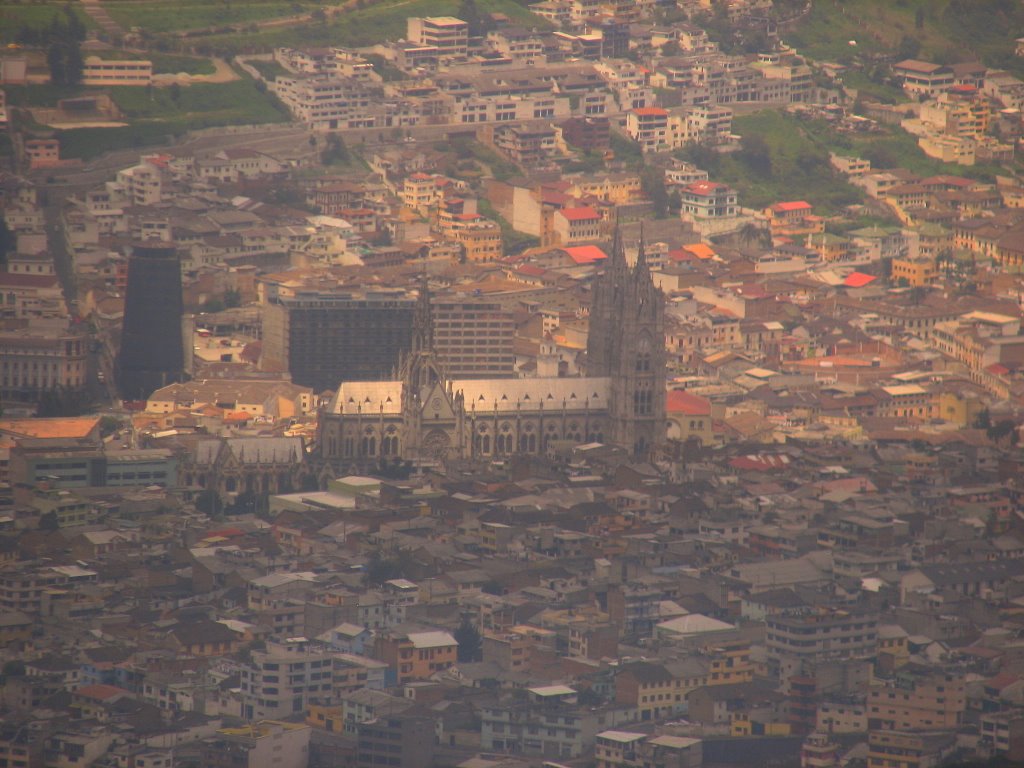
(619,188)
(830,247)
(481,241)
(960,408)
(98,71)
(743,726)
(920,271)
(927,702)
(900,749)
(730,663)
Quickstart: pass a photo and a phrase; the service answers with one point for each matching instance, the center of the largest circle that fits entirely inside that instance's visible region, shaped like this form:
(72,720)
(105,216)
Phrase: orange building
(416,655)
(793,218)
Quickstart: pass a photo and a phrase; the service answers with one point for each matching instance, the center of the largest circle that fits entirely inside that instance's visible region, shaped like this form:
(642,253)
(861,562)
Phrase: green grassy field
(157,115)
(14,16)
(941,30)
(269,69)
(184,15)
(171,64)
(200,105)
(378,22)
(785,157)
(796,167)
(163,63)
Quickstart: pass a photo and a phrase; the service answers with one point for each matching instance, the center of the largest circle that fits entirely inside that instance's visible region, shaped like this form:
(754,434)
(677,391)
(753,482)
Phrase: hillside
(939,30)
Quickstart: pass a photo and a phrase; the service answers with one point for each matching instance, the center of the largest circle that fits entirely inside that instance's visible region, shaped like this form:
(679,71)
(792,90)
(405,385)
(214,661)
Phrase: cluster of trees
(63,401)
(8,242)
(998,432)
(228,300)
(62,38)
(335,153)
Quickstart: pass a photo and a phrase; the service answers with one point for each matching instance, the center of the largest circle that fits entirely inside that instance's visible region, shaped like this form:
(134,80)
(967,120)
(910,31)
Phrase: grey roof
(960,573)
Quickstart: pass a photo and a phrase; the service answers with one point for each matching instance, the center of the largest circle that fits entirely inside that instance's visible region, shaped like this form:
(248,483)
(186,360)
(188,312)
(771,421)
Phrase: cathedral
(423,416)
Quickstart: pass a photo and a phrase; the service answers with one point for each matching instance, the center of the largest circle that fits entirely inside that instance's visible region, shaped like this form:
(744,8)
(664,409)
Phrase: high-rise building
(474,338)
(152,352)
(324,338)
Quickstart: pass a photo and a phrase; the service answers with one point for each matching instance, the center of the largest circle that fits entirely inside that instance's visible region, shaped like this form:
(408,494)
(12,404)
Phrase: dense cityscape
(509,384)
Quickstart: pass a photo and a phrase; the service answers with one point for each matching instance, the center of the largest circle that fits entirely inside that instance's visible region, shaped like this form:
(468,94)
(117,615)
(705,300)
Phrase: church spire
(618,267)
(423,320)
(641,254)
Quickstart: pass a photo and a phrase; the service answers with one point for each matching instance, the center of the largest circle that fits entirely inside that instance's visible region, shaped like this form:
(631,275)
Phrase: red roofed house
(577,225)
(689,416)
(793,218)
(858,280)
(648,126)
(585,254)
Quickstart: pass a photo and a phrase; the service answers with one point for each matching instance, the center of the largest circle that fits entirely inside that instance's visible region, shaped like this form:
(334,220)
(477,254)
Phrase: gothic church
(423,416)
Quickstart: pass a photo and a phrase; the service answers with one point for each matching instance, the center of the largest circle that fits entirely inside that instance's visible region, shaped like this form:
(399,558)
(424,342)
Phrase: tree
(109,425)
(751,234)
(49,521)
(174,92)
(75,27)
(8,241)
(245,503)
(652,181)
(208,502)
(1002,430)
(470,14)
(919,18)
(55,63)
(468,638)
(754,151)
(232,298)
(983,420)
(335,153)
(73,63)
(909,47)
(380,570)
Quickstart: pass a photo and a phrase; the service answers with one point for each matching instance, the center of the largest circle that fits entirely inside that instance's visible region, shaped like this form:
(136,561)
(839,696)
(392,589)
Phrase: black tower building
(151,354)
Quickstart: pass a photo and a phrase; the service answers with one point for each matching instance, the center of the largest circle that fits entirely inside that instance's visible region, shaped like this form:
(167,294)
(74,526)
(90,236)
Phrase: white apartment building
(285,679)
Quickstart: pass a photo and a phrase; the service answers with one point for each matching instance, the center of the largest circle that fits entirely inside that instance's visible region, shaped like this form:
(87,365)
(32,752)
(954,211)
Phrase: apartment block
(926,702)
(325,338)
(821,634)
(450,36)
(474,337)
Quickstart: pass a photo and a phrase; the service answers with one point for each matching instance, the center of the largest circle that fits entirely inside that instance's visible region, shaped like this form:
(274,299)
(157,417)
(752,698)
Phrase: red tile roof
(703,187)
(580,214)
(15,279)
(531,269)
(100,692)
(795,205)
(585,254)
(650,112)
(682,402)
(858,280)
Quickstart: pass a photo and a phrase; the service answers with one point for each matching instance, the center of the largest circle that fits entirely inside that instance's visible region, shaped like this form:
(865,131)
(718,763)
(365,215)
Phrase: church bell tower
(626,342)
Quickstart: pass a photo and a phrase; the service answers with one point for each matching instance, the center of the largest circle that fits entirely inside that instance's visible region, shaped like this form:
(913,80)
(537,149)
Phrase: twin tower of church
(423,416)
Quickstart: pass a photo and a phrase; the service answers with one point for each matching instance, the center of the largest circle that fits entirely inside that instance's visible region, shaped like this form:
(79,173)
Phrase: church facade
(423,415)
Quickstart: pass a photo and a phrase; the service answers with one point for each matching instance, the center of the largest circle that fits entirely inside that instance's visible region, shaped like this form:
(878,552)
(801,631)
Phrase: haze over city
(511,384)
